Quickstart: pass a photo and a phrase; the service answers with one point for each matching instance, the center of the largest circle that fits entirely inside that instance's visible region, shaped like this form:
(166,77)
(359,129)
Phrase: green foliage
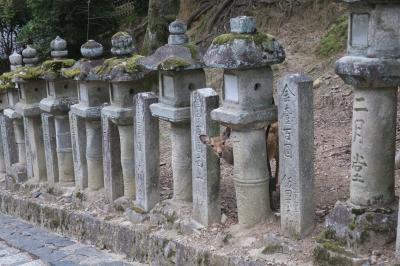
(335,39)
(68,19)
(13,15)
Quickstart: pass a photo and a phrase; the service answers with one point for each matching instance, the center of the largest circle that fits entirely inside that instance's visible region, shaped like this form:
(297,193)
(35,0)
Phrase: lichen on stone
(124,64)
(56,65)
(6,81)
(173,63)
(29,72)
(193,49)
(262,39)
(121,34)
(70,72)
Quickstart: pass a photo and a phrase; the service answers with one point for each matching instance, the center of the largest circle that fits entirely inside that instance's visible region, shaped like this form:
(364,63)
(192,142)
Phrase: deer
(222,147)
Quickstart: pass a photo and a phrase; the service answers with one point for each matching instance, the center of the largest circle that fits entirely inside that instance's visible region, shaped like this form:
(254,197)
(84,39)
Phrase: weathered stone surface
(78,139)
(251,176)
(366,73)
(94,155)
(296,135)
(171,114)
(138,243)
(373,150)
(113,180)
(205,164)
(91,49)
(362,228)
(8,141)
(49,137)
(178,54)
(64,150)
(243,24)
(147,152)
(122,44)
(34,147)
(248,100)
(244,47)
(181,160)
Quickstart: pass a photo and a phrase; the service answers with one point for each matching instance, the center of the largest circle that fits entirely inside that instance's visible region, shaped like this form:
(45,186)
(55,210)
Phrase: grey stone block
(147,152)
(8,139)
(169,113)
(243,24)
(205,164)
(113,180)
(296,135)
(78,139)
(49,136)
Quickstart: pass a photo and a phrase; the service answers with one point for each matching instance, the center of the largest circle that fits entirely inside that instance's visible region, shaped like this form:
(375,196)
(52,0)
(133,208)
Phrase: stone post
(371,66)
(4,86)
(12,132)
(32,89)
(205,164)
(126,79)
(85,118)
(61,94)
(371,46)
(248,109)
(147,152)
(296,139)
(180,72)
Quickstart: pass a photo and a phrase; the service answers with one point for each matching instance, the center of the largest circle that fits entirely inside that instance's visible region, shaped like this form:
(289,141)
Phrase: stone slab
(147,152)
(296,142)
(205,163)
(9,145)
(113,180)
(169,113)
(78,141)
(50,148)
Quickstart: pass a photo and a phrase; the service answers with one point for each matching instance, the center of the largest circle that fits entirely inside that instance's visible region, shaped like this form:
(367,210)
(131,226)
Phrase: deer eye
(212,146)
(223,143)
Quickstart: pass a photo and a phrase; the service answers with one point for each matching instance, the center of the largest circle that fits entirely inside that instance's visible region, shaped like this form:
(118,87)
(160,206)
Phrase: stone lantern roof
(30,71)
(244,47)
(52,68)
(177,55)
(85,68)
(124,65)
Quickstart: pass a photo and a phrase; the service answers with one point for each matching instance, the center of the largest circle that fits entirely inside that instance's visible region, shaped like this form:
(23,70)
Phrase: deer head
(218,144)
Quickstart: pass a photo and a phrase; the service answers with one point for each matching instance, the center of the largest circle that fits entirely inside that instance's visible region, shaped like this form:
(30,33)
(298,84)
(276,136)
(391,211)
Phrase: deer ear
(205,139)
(227,133)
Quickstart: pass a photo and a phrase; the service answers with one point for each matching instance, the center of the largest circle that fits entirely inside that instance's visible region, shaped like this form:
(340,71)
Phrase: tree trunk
(161,13)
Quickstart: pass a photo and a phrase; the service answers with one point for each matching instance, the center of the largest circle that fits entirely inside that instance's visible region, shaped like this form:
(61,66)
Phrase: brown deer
(223,148)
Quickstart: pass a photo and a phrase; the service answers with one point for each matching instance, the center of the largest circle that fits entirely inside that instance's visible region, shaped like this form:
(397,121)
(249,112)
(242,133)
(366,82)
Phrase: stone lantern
(126,79)
(85,117)
(248,108)
(372,67)
(180,72)
(61,94)
(31,90)
(12,130)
